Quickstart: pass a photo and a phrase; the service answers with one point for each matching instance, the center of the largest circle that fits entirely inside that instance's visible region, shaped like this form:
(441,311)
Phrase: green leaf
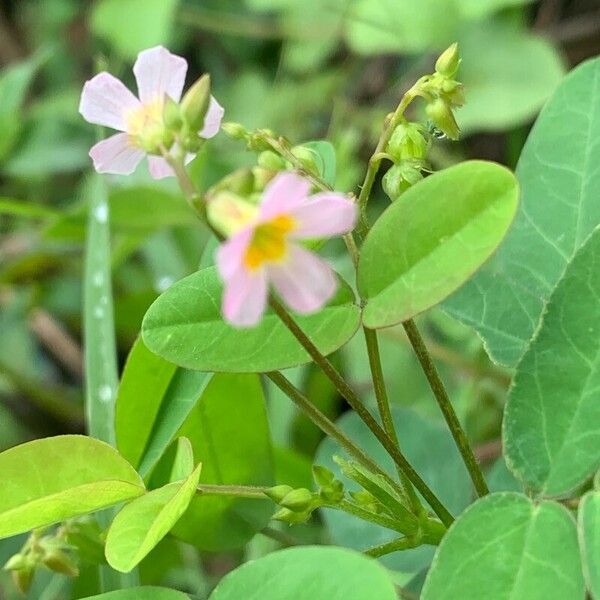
(146,592)
(131,26)
(431,450)
(154,399)
(29,210)
(308,573)
(145,521)
(407,26)
(559,209)
(589,540)
(552,418)
(325,157)
(229,431)
(503,91)
(175,464)
(505,546)
(57,478)
(184,326)
(433,238)
(478,9)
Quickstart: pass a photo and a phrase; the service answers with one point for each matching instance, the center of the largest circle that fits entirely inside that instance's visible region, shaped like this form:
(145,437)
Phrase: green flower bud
(292,518)
(399,178)
(172,114)
(60,562)
(442,117)
(262,177)
(448,62)
(228,213)
(322,476)
(270,160)
(235,131)
(278,492)
(333,493)
(298,500)
(195,102)
(306,158)
(15,562)
(453,92)
(22,579)
(408,141)
(258,141)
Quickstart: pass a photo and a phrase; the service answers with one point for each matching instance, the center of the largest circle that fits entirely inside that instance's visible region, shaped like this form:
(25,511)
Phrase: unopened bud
(15,562)
(235,131)
(453,92)
(22,579)
(194,104)
(306,158)
(408,142)
(298,500)
(262,177)
(448,62)
(442,117)
(322,475)
(59,562)
(399,178)
(289,516)
(278,492)
(270,160)
(333,493)
(228,213)
(172,114)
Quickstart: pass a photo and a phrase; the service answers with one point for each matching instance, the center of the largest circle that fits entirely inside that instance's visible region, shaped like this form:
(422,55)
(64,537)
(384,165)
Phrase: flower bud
(292,518)
(235,131)
(172,114)
(399,178)
(22,579)
(298,500)
(322,475)
(195,102)
(270,160)
(59,562)
(448,62)
(453,92)
(258,140)
(442,117)
(15,562)
(279,492)
(408,141)
(228,213)
(306,158)
(262,177)
(332,493)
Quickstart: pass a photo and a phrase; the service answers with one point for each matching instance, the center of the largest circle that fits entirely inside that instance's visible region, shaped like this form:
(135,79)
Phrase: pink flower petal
(159,168)
(158,72)
(324,215)
(230,254)
(116,155)
(106,101)
(284,193)
(212,120)
(304,281)
(245,297)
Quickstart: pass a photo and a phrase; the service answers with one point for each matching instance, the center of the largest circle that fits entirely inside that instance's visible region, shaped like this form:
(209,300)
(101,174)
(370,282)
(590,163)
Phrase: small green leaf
(184,326)
(559,209)
(505,546)
(131,26)
(141,593)
(175,464)
(229,431)
(145,521)
(308,573)
(57,478)
(433,238)
(551,425)
(589,540)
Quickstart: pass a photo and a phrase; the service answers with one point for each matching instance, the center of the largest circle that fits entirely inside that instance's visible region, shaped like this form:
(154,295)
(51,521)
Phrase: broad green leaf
(430,448)
(325,159)
(504,546)
(407,26)
(185,326)
(551,424)
(308,573)
(175,464)
(29,210)
(154,399)
(503,91)
(589,540)
(433,238)
(559,209)
(145,521)
(131,26)
(141,593)
(229,432)
(53,479)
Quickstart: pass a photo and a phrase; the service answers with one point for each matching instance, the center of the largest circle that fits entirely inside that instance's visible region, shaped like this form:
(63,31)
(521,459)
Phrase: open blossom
(265,252)
(106,101)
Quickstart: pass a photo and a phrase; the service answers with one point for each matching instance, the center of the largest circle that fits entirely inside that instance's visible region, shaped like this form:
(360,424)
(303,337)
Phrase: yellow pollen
(147,117)
(268,243)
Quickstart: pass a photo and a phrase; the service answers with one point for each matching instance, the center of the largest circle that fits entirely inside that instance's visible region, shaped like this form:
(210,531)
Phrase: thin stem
(329,427)
(241,491)
(367,515)
(439,391)
(285,539)
(353,400)
(403,543)
(385,412)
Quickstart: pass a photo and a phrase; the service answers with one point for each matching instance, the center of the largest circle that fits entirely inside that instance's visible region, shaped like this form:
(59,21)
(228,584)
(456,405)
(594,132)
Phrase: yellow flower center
(149,115)
(268,243)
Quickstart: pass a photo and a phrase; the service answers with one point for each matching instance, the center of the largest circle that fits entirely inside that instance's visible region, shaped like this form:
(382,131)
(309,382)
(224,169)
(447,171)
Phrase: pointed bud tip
(449,61)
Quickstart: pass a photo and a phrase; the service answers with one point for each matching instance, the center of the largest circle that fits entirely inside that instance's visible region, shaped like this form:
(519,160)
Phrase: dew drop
(105,393)
(101,213)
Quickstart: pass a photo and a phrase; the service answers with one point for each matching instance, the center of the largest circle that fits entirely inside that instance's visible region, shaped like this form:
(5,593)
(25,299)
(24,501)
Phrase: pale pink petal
(324,215)
(230,254)
(245,297)
(304,281)
(105,101)
(284,193)
(158,72)
(159,168)
(116,155)
(212,120)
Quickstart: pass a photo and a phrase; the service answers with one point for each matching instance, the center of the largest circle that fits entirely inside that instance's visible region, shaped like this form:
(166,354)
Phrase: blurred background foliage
(309,69)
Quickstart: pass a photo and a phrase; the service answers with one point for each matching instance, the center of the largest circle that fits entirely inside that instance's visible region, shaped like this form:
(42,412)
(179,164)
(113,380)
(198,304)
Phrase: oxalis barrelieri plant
(266,300)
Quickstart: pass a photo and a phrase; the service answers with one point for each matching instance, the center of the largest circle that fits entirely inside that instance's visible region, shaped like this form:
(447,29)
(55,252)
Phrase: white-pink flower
(106,101)
(265,252)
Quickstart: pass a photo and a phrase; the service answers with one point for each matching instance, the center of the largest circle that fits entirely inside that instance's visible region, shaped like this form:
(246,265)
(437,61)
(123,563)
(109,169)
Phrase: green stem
(439,391)
(285,539)
(385,412)
(354,401)
(329,427)
(241,491)
(403,543)
(367,515)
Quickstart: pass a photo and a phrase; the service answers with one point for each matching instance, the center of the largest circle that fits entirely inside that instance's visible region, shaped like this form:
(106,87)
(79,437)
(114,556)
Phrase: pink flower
(106,101)
(264,252)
